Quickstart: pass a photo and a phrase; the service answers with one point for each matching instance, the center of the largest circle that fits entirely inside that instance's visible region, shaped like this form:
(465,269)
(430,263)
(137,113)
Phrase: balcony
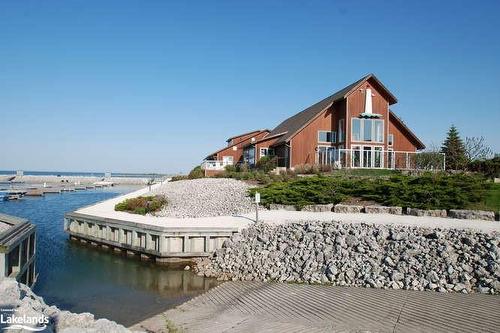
(376,158)
(215,165)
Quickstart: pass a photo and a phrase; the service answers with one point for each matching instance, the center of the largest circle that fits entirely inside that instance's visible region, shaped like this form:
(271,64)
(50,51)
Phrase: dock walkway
(280,307)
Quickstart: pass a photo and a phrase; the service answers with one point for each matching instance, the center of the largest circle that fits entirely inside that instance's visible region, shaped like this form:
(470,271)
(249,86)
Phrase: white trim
(362,130)
(333,136)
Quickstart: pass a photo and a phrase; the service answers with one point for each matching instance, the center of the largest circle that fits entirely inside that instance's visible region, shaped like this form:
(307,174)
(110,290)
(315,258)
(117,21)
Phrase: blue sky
(153,86)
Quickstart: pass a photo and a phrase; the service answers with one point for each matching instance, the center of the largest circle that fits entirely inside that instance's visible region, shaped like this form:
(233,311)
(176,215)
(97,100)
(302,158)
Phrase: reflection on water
(82,278)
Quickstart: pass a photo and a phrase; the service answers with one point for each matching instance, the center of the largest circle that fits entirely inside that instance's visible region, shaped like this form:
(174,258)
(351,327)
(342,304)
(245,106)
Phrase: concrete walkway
(279,307)
(105,209)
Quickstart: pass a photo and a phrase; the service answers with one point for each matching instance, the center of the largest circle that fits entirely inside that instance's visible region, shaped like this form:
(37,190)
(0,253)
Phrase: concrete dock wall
(157,242)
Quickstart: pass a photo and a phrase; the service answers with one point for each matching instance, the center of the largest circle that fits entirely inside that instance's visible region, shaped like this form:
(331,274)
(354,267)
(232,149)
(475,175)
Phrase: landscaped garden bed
(142,205)
(426,191)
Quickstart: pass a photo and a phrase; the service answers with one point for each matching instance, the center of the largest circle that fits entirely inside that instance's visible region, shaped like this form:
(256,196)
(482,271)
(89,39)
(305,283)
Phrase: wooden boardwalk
(279,307)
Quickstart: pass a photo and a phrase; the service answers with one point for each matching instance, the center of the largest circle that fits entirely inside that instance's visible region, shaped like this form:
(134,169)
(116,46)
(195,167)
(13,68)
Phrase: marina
(91,272)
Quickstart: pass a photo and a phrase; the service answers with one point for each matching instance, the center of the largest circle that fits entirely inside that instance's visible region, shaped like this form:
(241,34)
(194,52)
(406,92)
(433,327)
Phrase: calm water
(79,278)
(73,174)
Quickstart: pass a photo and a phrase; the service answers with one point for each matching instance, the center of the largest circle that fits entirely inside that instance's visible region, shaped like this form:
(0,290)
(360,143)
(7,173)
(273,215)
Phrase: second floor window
(390,139)
(327,136)
(341,130)
(369,130)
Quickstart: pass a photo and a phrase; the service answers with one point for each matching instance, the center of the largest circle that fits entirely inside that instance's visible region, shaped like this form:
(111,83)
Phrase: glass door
(378,161)
(367,157)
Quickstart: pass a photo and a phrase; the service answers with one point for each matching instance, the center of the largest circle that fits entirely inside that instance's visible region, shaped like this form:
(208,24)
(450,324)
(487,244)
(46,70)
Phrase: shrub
(306,169)
(197,172)
(230,168)
(142,205)
(428,191)
(267,163)
(179,177)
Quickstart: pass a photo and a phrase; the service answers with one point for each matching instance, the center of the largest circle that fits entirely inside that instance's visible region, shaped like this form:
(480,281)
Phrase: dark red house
(353,128)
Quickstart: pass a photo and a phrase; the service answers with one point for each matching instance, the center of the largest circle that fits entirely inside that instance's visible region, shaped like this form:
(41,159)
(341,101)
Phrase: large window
(341,130)
(356,129)
(249,155)
(368,130)
(327,136)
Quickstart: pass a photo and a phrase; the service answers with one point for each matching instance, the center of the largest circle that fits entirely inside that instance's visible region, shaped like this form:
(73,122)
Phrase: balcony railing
(376,158)
(215,164)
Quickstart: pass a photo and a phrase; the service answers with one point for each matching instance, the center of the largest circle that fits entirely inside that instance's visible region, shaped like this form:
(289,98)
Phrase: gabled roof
(399,121)
(236,144)
(295,123)
(267,137)
(248,133)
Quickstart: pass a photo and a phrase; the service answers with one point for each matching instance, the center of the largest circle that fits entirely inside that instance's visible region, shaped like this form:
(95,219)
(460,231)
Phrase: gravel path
(205,197)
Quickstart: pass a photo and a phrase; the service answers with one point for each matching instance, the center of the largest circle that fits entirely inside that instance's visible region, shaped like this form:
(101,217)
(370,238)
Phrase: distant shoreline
(71,180)
(12,173)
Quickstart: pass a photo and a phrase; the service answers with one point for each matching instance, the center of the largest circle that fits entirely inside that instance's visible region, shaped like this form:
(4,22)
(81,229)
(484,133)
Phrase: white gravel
(205,197)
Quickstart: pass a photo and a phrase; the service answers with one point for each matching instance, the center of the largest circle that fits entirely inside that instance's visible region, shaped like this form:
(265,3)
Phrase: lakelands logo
(10,321)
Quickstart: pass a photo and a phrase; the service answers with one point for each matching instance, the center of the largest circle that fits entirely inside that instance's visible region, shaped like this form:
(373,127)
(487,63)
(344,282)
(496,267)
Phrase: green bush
(266,163)
(142,205)
(197,172)
(428,191)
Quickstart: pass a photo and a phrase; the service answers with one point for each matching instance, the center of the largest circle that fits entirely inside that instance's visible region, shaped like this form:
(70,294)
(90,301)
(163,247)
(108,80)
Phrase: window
(327,136)
(266,152)
(368,130)
(378,134)
(356,130)
(390,139)
(341,130)
(249,155)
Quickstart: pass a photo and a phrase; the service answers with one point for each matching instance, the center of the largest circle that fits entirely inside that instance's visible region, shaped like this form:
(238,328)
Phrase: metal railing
(215,164)
(377,158)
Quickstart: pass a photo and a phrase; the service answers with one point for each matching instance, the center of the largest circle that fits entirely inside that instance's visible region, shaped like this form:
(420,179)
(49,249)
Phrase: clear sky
(154,86)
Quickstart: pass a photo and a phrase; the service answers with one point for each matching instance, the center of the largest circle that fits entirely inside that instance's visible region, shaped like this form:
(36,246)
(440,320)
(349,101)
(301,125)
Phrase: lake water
(81,278)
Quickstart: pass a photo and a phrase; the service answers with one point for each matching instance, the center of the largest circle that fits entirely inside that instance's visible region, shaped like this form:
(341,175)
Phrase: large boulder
(318,208)
(471,214)
(282,207)
(341,208)
(425,212)
(384,210)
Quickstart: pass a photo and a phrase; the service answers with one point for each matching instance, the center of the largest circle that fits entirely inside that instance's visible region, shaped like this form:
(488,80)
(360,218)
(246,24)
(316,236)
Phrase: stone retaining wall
(397,257)
(471,214)
(374,209)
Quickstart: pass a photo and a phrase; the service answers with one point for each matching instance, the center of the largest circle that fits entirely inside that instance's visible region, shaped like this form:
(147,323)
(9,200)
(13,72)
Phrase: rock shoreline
(363,255)
(17,296)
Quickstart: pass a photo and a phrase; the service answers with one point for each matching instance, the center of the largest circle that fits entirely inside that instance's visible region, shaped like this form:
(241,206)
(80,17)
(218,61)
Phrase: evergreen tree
(454,149)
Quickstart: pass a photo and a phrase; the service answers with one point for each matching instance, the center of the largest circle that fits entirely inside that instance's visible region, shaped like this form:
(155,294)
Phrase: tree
(476,149)
(454,149)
